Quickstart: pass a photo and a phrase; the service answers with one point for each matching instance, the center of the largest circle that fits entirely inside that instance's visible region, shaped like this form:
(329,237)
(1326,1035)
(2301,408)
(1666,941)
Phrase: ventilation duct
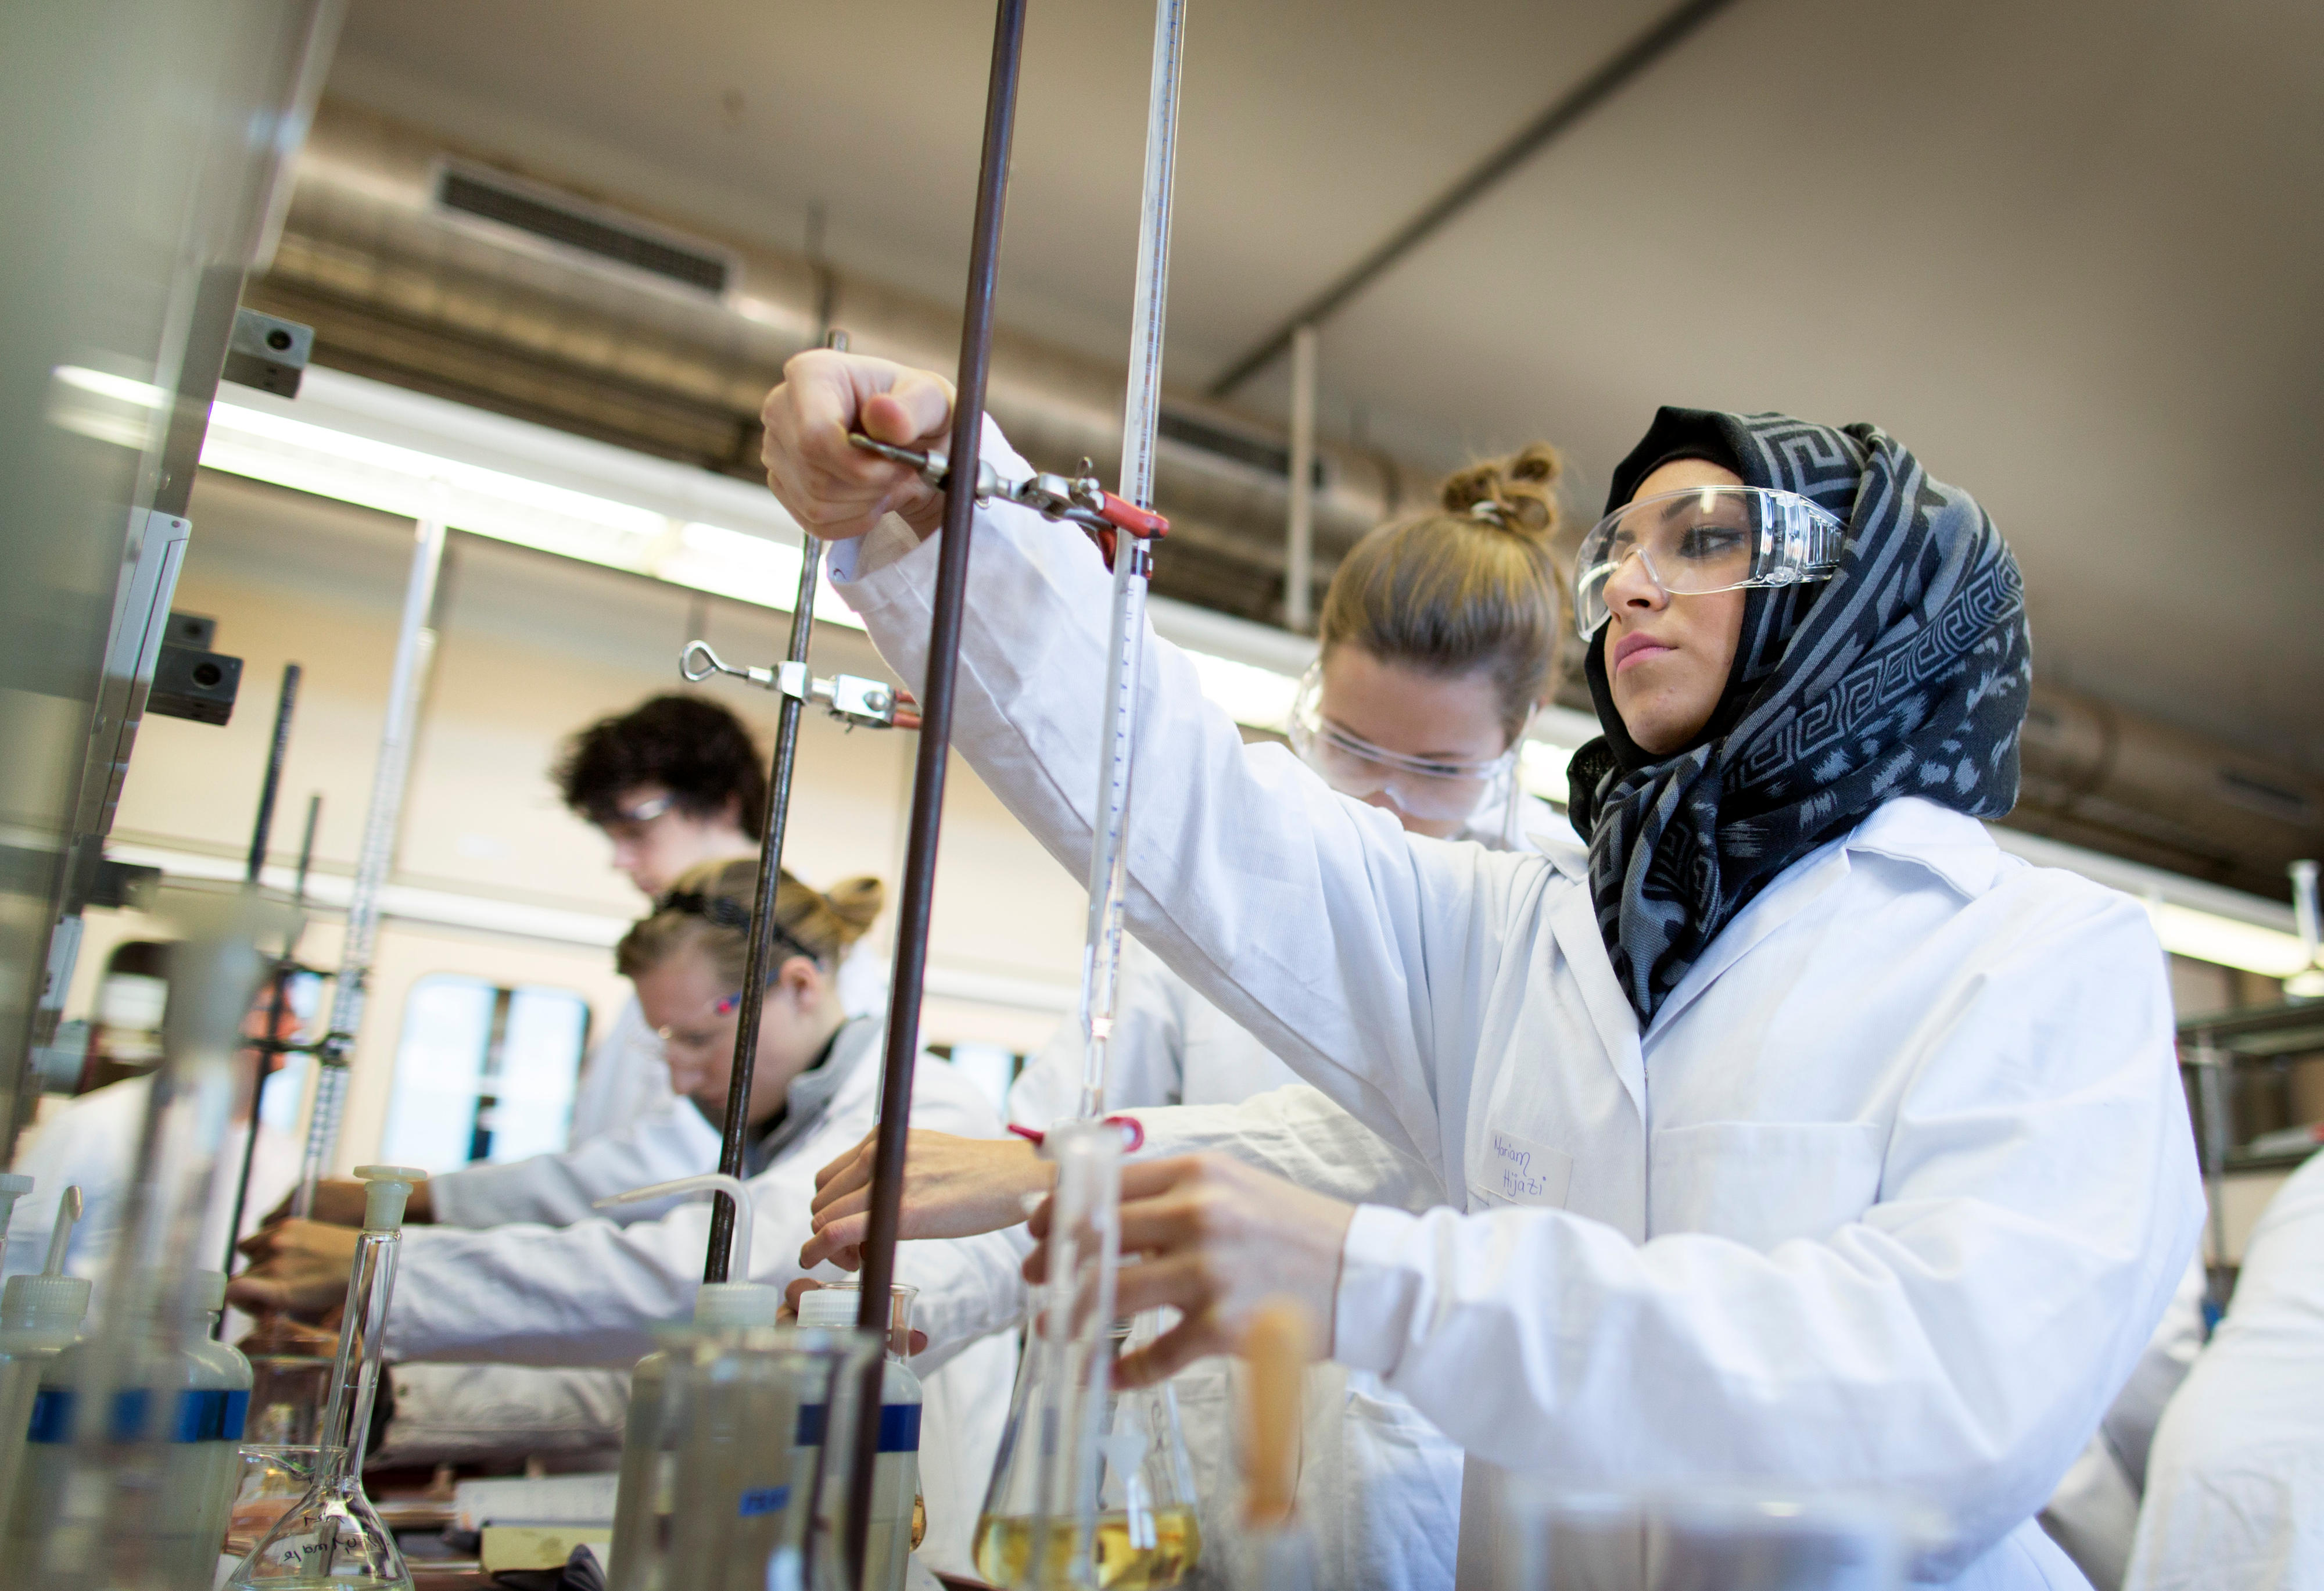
(2099,777)
(558,218)
(437,268)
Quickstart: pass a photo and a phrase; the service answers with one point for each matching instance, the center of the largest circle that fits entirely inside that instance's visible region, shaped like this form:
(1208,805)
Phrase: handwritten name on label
(1529,1173)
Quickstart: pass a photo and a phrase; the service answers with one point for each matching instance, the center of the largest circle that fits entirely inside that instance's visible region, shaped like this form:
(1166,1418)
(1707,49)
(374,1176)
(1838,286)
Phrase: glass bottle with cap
(710,1498)
(899,1513)
(41,1317)
(332,1537)
(205,1433)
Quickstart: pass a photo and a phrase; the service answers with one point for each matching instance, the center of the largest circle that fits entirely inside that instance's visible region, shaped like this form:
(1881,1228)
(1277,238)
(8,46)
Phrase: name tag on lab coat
(1519,1171)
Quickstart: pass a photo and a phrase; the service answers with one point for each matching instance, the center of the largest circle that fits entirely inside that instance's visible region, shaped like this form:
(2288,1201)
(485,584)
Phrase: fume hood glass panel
(484,1072)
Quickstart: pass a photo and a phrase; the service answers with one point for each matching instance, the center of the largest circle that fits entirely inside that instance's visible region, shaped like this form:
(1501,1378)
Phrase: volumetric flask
(332,1537)
(1579,1538)
(273,1481)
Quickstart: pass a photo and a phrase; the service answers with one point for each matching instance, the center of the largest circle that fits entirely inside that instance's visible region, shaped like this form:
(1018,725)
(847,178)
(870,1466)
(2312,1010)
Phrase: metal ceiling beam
(1576,102)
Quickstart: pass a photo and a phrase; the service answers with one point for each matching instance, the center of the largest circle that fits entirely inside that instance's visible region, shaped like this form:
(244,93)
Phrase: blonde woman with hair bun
(1438,638)
(513,1263)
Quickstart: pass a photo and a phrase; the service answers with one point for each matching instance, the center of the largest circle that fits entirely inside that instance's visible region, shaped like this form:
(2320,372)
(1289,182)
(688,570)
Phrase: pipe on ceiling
(400,286)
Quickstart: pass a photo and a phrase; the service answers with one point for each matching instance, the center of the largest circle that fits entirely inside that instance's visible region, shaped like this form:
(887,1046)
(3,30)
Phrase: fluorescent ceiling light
(2205,935)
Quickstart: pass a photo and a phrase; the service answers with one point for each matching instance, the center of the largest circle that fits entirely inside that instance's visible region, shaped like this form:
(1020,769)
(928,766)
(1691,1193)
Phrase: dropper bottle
(661,1412)
(333,1537)
(40,1318)
(899,1518)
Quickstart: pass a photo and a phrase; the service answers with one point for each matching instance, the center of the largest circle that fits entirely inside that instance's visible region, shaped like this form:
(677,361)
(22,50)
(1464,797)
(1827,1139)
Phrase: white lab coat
(1379,1485)
(2094,1512)
(624,1079)
(91,1143)
(578,1289)
(2234,1483)
(1891,1192)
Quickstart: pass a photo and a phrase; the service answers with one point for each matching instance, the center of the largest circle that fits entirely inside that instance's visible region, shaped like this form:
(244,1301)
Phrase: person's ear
(801,981)
(730,813)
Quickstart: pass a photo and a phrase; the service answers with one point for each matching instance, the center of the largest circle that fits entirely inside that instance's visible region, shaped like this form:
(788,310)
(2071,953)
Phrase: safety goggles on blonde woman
(1430,788)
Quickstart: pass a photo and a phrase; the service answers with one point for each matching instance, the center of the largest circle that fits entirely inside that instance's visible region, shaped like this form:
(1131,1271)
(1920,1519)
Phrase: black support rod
(264,828)
(919,883)
(1576,102)
(270,1044)
(717,1261)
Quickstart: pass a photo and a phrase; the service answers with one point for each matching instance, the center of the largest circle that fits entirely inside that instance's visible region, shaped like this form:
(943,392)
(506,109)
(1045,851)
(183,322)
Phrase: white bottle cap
(383,1200)
(44,1305)
(736,1304)
(833,1306)
(209,1292)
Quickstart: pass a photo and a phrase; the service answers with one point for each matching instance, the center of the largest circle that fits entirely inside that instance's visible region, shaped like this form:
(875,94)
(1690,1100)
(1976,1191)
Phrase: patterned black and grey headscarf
(1904,674)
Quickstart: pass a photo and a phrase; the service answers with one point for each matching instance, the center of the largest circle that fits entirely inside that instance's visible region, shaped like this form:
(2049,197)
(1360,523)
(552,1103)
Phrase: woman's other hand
(834,489)
(296,1268)
(1214,1239)
(953,1187)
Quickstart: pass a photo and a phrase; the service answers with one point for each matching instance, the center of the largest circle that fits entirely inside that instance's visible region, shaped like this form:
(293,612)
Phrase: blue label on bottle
(763,1499)
(213,1416)
(52,1416)
(129,1409)
(900,1427)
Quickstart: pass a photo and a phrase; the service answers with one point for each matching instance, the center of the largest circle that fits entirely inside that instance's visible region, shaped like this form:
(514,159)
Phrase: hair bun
(856,901)
(1518,493)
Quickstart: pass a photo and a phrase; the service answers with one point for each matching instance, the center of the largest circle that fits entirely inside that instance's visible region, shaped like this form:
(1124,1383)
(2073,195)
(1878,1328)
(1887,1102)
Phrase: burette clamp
(852,698)
(1081,498)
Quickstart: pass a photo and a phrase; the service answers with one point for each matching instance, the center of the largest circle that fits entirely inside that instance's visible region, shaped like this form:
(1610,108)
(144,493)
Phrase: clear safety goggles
(1428,789)
(1707,539)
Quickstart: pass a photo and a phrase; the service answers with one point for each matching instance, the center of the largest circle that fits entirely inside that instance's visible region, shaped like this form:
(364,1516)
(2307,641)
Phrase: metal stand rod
(261,831)
(264,828)
(415,643)
(1132,565)
(262,1067)
(736,1128)
(718,1258)
(918,882)
(1299,536)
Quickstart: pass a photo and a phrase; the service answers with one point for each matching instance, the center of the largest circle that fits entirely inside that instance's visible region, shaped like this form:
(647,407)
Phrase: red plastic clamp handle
(1133,1132)
(1125,515)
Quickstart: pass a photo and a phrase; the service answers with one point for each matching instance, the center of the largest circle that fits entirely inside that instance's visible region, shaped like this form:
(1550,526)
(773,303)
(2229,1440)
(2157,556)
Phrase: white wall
(531,648)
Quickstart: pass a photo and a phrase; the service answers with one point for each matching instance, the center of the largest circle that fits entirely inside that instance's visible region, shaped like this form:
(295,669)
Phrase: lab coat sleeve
(675,1140)
(1301,1136)
(2234,1483)
(474,1413)
(591,1294)
(1358,955)
(2036,1209)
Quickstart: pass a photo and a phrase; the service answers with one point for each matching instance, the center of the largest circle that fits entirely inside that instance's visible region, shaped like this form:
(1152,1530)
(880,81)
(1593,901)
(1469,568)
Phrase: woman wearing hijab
(1794,1133)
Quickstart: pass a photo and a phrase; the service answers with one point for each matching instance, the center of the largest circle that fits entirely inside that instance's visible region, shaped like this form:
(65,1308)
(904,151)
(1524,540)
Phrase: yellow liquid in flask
(1157,1556)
